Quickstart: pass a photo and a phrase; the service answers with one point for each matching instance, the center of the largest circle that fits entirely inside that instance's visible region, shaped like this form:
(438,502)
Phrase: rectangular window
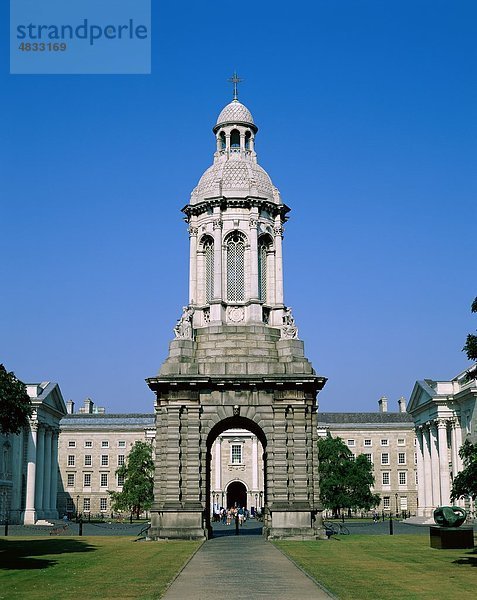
(401,458)
(105,444)
(121,444)
(70,506)
(87,480)
(104,460)
(120,460)
(70,481)
(88,444)
(386,503)
(403,502)
(368,443)
(350,443)
(71,444)
(384,443)
(71,460)
(236,454)
(401,442)
(88,460)
(120,480)
(386,478)
(103,504)
(402,477)
(86,504)
(369,457)
(385,458)
(104,480)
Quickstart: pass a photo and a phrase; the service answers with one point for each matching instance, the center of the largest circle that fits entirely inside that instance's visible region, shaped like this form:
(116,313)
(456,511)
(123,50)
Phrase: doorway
(236,495)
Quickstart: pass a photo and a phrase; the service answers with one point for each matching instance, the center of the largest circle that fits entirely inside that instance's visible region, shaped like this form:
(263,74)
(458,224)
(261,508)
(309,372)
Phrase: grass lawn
(401,567)
(88,567)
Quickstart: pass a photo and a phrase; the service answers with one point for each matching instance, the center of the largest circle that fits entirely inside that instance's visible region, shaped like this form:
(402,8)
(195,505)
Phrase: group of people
(227,516)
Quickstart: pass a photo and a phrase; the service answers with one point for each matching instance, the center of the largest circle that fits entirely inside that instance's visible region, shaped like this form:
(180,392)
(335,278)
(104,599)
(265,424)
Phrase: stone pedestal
(448,538)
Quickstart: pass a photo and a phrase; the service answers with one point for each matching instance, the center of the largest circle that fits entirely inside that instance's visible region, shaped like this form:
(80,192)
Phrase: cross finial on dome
(235,79)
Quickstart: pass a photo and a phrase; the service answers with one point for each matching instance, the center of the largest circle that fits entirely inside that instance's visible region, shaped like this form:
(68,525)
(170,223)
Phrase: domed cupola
(235,113)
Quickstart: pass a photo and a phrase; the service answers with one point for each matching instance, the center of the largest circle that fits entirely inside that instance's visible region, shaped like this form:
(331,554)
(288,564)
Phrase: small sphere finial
(235,79)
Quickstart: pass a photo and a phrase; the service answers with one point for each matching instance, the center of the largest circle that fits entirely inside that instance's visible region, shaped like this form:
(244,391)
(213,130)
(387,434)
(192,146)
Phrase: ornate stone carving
(217,224)
(289,329)
(183,328)
(193,231)
(253,222)
(278,230)
(236,314)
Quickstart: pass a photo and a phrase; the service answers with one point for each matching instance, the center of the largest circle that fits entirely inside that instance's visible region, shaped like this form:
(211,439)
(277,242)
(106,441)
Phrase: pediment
(421,395)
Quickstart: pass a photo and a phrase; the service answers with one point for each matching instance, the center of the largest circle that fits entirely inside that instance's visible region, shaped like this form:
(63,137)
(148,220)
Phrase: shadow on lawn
(22,554)
(470,561)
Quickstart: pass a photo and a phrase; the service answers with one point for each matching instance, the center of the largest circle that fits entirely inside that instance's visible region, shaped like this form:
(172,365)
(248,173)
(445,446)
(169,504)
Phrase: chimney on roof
(70,407)
(383,404)
(402,404)
(88,407)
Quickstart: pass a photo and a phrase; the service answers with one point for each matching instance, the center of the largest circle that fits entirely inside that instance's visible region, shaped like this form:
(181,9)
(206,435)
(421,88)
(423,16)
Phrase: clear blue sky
(367,116)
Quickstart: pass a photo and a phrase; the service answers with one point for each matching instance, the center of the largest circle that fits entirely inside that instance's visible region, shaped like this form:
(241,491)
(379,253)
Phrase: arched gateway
(236,361)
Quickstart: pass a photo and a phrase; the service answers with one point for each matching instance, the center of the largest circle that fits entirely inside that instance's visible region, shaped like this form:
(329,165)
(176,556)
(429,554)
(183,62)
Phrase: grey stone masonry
(236,377)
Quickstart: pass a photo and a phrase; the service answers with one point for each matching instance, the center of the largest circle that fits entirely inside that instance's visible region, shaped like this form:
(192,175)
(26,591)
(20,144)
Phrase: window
(385,458)
(415,458)
(105,444)
(401,442)
(71,460)
(120,460)
(369,457)
(70,479)
(368,443)
(103,504)
(121,444)
(402,478)
(236,454)
(350,443)
(71,444)
(88,461)
(386,503)
(401,458)
(235,139)
(208,245)
(417,482)
(87,480)
(86,504)
(120,480)
(386,478)
(104,460)
(403,502)
(104,480)
(263,245)
(235,248)
(384,443)
(88,444)
(70,507)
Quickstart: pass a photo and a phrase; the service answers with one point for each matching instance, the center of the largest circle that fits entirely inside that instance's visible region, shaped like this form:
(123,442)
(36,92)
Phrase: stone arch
(236,493)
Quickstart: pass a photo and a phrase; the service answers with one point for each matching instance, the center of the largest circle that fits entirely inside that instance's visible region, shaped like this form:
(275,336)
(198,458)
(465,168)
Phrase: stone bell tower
(236,360)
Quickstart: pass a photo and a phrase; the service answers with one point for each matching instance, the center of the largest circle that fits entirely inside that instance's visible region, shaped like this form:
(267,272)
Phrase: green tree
(138,472)
(345,482)
(465,482)
(15,403)
(470,347)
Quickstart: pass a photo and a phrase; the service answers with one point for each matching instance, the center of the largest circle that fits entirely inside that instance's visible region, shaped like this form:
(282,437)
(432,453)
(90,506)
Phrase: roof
(235,112)
(111,421)
(369,418)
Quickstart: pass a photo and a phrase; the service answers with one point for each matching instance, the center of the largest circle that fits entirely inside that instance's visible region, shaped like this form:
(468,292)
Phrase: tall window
(86,504)
(262,268)
(208,245)
(103,504)
(87,480)
(235,245)
(236,454)
(235,139)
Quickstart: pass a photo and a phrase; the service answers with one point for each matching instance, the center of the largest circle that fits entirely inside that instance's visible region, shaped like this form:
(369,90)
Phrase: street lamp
(77,507)
(397,504)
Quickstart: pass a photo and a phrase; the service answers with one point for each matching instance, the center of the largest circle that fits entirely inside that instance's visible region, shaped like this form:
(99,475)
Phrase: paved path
(242,567)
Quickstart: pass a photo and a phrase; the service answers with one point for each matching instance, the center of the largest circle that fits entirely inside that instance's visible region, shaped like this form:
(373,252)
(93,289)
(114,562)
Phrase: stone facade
(389,441)
(445,415)
(236,362)
(28,461)
(92,446)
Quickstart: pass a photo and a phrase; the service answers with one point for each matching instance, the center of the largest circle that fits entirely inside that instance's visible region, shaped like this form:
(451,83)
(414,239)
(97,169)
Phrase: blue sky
(367,117)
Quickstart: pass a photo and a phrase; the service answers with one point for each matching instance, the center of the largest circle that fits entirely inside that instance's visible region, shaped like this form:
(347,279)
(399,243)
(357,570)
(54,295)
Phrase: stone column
(172,457)
(421,484)
(427,470)
(215,305)
(29,515)
(192,456)
(218,464)
(193,262)
(271,277)
(443,462)
(54,475)
(278,230)
(40,465)
(280,476)
(254,464)
(47,474)
(458,440)
(253,287)
(436,492)
(300,455)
